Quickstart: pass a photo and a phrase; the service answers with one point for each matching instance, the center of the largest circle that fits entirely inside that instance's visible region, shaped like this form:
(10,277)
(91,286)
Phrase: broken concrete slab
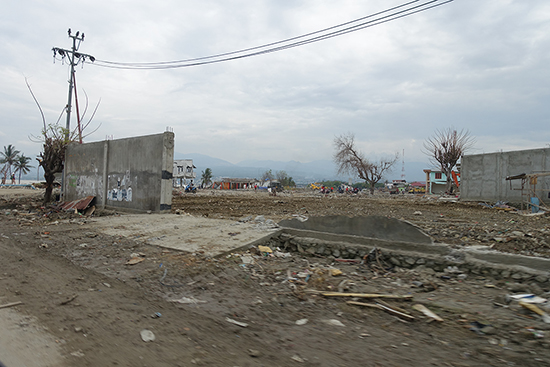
(218,237)
(402,244)
(388,229)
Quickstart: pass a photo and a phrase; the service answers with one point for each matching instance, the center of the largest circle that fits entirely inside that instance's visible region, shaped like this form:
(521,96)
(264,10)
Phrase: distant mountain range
(302,173)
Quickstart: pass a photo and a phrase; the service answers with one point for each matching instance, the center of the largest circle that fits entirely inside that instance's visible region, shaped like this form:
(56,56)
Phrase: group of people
(341,190)
(348,190)
(12,179)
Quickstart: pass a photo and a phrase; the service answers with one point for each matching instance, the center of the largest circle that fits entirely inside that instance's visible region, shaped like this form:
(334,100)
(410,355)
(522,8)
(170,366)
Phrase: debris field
(117,300)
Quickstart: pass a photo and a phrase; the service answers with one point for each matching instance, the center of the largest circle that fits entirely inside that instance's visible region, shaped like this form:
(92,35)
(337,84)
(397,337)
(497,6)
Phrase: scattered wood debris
(427,312)
(11,304)
(367,295)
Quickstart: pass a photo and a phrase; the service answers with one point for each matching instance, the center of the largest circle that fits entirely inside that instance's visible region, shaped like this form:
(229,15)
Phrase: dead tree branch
(445,148)
(352,161)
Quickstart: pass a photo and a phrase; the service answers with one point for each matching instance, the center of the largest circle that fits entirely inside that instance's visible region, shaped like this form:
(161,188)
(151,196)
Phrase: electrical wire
(263,46)
(189,62)
(337,30)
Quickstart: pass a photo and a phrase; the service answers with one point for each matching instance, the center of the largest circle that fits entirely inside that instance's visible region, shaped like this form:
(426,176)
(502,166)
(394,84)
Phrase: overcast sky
(480,65)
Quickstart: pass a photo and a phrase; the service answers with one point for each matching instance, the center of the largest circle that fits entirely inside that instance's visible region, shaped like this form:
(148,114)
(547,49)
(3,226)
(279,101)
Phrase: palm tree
(7,157)
(22,165)
(206,177)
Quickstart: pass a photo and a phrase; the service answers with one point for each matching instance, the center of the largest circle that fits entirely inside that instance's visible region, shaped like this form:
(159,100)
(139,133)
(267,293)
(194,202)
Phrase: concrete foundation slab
(185,232)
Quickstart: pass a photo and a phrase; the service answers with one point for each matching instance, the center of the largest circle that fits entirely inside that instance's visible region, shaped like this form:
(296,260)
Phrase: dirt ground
(250,309)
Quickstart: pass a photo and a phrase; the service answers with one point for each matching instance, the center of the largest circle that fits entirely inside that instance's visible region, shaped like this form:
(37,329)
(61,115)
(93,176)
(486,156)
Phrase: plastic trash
(147,335)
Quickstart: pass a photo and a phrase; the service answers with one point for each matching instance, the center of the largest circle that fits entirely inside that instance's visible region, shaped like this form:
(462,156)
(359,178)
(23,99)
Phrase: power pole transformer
(74,58)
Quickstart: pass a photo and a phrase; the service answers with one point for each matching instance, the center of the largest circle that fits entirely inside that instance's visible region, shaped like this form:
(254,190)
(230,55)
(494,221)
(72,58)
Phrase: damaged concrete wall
(483,176)
(133,173)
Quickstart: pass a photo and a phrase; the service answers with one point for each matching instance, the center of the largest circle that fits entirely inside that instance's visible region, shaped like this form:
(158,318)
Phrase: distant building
(183,170)
(436,182)
(235,183)
(395,184)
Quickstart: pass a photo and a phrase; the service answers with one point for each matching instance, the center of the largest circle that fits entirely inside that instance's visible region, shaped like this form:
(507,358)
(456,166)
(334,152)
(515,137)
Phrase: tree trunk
(372,188)
(449,184)
(49,177)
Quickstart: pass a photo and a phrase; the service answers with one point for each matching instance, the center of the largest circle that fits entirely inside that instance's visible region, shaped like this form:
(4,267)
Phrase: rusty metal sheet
(79,204)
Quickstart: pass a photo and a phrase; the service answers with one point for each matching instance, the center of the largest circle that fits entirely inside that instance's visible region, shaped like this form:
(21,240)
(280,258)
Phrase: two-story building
(183,170)
(436,182)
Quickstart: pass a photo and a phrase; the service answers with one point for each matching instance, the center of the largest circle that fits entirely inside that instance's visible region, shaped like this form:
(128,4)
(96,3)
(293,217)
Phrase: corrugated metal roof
(79,204)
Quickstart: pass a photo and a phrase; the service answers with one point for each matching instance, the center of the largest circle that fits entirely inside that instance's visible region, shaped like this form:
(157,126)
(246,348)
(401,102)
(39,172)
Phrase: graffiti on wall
(85,185)
(120,187)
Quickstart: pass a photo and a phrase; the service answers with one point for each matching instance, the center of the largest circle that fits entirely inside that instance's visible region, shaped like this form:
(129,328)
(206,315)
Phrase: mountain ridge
(318,170)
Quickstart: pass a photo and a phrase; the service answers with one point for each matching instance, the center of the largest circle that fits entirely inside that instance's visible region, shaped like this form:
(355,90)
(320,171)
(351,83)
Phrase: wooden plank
(367,295)
(383,308)
(11,304)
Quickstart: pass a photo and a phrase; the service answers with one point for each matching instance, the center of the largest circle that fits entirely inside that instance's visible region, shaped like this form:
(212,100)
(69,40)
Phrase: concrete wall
(483,176)
(133,173)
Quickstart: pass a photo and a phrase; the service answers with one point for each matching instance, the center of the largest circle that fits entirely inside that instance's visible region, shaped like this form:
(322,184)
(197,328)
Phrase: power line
(381,17)
(195,62)
(259,47)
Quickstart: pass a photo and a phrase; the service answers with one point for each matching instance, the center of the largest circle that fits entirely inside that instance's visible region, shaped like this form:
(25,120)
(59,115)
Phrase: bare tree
(285,179)
(267,175)
(350,160)
(445,148)
(55,140)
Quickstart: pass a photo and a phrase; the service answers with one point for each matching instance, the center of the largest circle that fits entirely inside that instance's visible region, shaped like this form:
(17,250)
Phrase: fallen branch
(367,295)
(69,300)
(11,304)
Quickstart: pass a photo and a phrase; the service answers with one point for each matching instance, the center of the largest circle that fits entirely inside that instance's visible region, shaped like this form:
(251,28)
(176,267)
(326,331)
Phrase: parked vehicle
(275,185)
(190,188)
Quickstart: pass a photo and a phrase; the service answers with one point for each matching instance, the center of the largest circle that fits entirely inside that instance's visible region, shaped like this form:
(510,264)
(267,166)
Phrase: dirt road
(249,309)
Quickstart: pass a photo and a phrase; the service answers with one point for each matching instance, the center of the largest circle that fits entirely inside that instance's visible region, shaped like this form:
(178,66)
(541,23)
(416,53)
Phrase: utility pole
(403,166)
(74,58)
